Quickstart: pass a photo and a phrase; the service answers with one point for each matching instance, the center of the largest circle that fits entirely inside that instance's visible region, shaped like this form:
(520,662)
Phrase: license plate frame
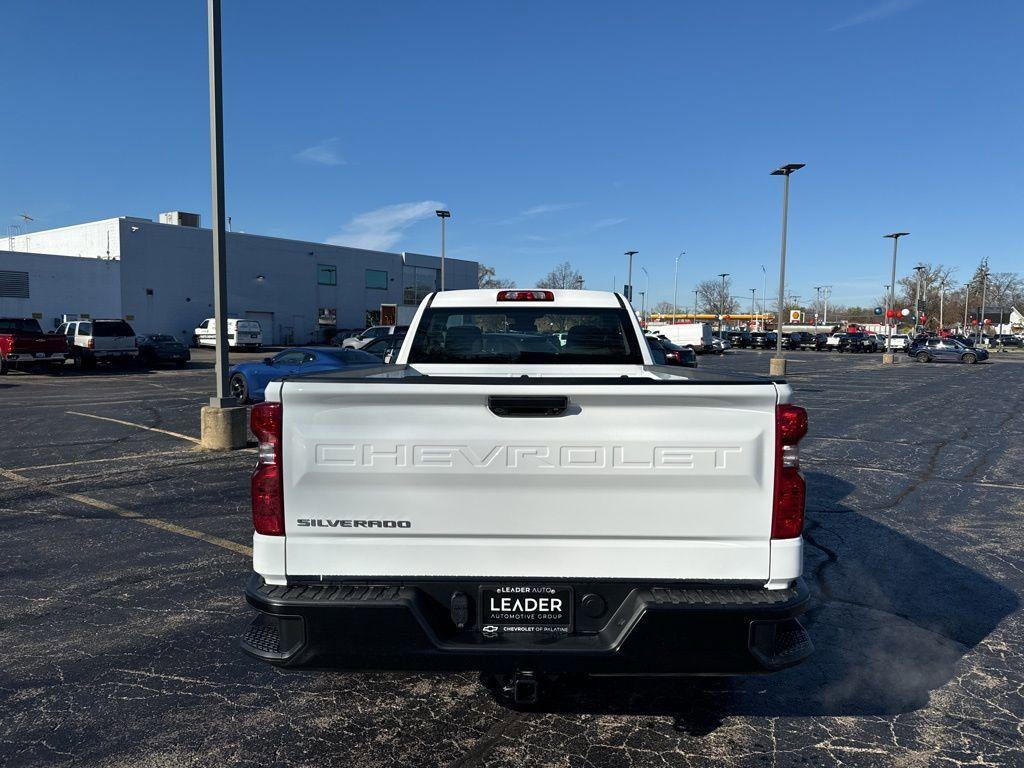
(515,615)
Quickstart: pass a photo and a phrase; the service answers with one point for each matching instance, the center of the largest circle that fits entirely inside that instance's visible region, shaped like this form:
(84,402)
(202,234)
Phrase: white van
(696,336)
(242,334)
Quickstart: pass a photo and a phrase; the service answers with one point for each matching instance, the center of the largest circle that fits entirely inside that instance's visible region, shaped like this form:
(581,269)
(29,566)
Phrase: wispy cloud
(382,228)
(322,153)
(881,11)
(604,223)
(539,210)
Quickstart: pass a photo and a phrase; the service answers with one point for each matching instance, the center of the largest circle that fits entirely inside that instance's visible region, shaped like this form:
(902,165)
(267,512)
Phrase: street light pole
(888,358)
(675,289)
(826,291)
(647,288)
(695,305)
(764,297)
(220,267)
(629,276)
(753,299)
(817,306)
(722,304)
(981,316)
(442,215)
(942,301)
(778,363)
(917,300)
(222,422)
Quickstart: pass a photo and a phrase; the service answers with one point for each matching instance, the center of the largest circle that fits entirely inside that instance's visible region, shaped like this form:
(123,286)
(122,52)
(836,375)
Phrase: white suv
(100,341)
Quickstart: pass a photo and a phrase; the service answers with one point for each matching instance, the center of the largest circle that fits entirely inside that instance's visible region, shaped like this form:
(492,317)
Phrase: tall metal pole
(675,290)
(629,275)
(647,289)
(917,300)
(220,267)
(722,304)
(981,316)
(817,306)
(892,291)
(442,215)
(753,299)
(695,306)
(782,272)
(827,291)
(942,300)
(967,303)
(764,297)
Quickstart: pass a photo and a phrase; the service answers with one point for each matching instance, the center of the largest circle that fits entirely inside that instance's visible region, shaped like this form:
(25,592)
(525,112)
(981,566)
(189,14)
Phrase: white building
(158,276)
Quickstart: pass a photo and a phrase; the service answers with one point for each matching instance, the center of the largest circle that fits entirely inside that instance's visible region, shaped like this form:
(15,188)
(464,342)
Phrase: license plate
(40,354)
(525,609)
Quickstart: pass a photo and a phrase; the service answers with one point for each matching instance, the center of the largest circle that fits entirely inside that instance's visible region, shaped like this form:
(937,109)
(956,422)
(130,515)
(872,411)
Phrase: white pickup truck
(523,492)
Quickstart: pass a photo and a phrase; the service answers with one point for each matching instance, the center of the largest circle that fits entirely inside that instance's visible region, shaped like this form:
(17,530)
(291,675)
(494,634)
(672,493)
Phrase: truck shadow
(891,619)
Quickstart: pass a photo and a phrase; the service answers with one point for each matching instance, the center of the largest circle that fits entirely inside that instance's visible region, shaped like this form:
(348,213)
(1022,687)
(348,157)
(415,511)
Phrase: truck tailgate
(631,481)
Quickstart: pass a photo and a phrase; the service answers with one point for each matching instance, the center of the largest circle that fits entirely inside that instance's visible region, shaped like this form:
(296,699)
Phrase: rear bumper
(646,629)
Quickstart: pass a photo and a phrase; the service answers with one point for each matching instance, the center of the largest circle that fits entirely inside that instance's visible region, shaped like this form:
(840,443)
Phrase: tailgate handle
(527,406)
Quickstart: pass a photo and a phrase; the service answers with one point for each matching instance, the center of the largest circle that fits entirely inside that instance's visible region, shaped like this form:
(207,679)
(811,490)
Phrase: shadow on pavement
(890,619)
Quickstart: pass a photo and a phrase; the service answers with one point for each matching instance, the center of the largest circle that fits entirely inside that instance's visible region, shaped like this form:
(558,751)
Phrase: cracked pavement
(120,639)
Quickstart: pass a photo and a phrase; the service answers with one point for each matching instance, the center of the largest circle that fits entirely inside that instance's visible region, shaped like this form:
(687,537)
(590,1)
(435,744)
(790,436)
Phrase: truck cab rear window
(530,335)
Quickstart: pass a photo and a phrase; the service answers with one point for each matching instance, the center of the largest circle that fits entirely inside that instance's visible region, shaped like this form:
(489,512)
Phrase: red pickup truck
(23,344)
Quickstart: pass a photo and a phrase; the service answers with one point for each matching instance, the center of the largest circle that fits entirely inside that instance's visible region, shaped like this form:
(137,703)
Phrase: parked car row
(85,343)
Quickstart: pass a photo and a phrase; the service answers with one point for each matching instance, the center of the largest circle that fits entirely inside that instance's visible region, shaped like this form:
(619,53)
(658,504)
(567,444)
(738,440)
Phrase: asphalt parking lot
(123,552)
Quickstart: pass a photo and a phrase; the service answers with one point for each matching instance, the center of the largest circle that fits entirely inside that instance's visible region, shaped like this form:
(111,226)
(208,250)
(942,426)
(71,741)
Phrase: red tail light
(90,344)
(267,485)
(790,489)
(526,296)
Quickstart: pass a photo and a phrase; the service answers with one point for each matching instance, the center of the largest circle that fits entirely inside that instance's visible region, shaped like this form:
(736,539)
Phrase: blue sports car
(248,381)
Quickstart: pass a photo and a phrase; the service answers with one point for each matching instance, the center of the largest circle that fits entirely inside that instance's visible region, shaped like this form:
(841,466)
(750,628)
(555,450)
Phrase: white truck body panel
(618,488)
(396,478)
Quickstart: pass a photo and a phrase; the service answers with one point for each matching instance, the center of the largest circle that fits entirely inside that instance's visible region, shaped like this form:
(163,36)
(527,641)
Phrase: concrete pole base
(888,358)
(777,366)
(224,429)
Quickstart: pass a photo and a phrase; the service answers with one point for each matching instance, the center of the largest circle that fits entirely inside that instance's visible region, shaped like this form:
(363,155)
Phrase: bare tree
(714,297)
(562,276)
(486,278)
(662,308)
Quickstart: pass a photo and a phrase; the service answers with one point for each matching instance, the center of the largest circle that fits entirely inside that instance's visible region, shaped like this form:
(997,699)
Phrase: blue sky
(553,131)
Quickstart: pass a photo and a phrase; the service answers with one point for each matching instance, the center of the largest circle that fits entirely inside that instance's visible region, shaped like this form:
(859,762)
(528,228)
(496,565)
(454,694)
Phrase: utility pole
(629,276)
(647,289)
(942,301)
(675,289)
(888,358)
(817,306)
(222,422)
(981,317)
(778,363)
(724,299)
(826,291)
(967,304)
(917,300)
(442,215)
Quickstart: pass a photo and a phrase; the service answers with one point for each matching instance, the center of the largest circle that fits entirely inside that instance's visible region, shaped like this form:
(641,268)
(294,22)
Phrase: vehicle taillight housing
(267,484)
(90,344)
(790,489)
(526,296)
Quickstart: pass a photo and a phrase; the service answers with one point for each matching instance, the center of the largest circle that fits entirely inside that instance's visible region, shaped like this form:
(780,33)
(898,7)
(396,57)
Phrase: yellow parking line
(137,426)
(154,522)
